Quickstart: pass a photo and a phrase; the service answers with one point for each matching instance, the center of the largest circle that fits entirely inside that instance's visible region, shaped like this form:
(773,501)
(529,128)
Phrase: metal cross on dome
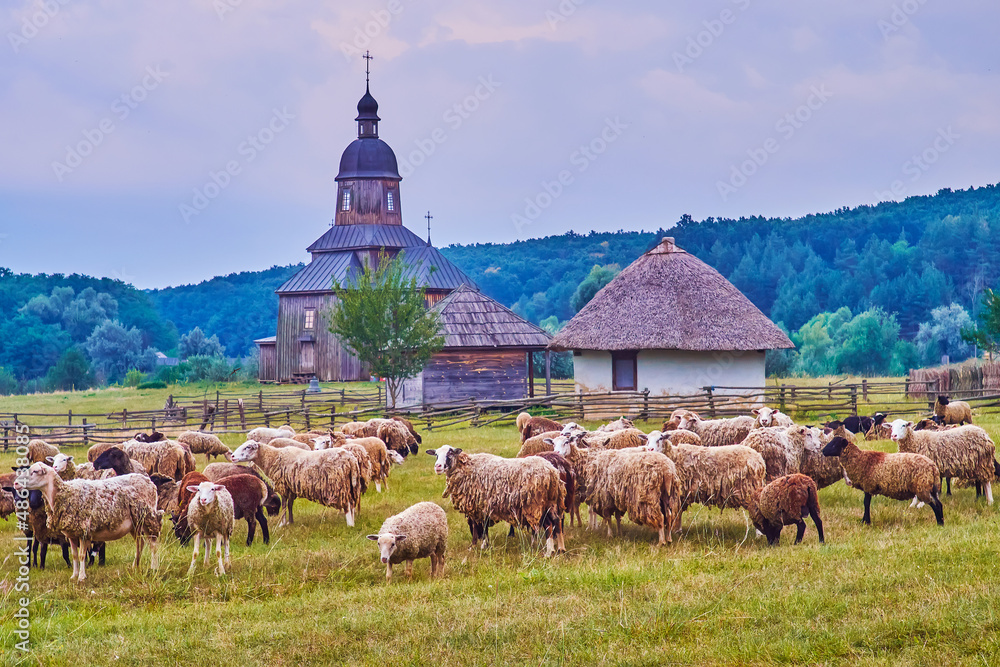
(368,59)
(429,217)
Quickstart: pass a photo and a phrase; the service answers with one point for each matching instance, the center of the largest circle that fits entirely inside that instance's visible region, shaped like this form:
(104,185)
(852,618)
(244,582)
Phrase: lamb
(218,471)
(210,514)
(784,502)
(526,493)
(898,476)
(396,437)
(203,443)
(419,531)
(117,460)
(39,450)
(781,447)
(616,425)
(63,465)
(249,494)
(767,417)
(966,452)
(182,529)
(330,477)
(102,510)
(537,426)
(265,435)
(165,457)
(537,444)
(724,476)
(952,412)
(717,432)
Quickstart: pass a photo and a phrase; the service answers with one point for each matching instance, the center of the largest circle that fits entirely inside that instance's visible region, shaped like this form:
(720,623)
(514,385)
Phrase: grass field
(901,592)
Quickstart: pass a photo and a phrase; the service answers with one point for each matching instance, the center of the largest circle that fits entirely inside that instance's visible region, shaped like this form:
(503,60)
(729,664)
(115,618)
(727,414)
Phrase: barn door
(307,357)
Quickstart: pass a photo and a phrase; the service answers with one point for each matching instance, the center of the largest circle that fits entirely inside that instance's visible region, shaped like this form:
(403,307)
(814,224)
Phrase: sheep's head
(387,543)
(560,445)
(765,416)
(445,458)
(206,492)
(878,418)
(689,420)
(246,452)
(943,400)
(110,458)
(396,457)
(60,461)
(572,427)
(39,477)
(899,428)
(835,446)
(805,433)
(657,441)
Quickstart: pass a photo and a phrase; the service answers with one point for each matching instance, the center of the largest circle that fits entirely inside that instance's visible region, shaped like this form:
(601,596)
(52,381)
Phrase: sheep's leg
(800,531)
(251,527)
(225,542)
(65,553)
(388,572)
(262,519)
(818,522)
(948,480)
(867,518)
(291,500)
(74,546)
(485,532)
(618,524)
(138,550)
(409,568)
(40,562)
(378,486)
(84,548)
(154,549)
(661,537)
(934,500)
(194,555)
(218,554)
(988,487)
(350,515)
(916,502)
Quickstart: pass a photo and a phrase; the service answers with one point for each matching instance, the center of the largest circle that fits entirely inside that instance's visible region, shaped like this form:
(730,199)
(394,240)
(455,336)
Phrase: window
(310,322)
(389,203)
(345,200)
(623,371)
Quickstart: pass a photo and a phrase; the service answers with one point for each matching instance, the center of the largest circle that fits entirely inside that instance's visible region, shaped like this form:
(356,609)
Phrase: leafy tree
(30,347)
(382,319)
(598,277)
(72,371)
(134,378)
(905,356)
(114,350)
(943,335)
(987,335)
(868,342)
(8,383)
(78,314)
(196,344)
(815,343)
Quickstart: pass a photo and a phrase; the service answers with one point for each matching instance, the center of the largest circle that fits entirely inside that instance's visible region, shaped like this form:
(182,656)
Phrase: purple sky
(510,120)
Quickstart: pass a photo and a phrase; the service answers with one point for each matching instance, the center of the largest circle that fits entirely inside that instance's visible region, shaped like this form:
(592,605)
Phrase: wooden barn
(486,354)
(671,324)
(368,221)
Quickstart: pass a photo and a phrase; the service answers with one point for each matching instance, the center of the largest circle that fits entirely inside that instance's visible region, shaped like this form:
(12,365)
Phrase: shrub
(154,384)
(8,383)
(134,378)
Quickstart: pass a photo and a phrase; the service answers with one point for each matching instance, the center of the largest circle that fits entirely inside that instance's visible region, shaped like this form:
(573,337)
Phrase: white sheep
(419,531)
(965,452)
(265,434)
(767,417)
(717,432)
(210,514)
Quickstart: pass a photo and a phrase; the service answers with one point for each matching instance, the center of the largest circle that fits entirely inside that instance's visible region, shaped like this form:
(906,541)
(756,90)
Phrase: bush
(134,378)
(72,371)
(8,383)
(154,384)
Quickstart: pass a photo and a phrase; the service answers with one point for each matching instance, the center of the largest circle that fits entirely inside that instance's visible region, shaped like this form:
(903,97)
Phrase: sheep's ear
(549,441)
(218,487)
(755,411)
(50,459)
(400,538)
(431,452)
(456,450)
(193,489)
(69,458)
(373,538)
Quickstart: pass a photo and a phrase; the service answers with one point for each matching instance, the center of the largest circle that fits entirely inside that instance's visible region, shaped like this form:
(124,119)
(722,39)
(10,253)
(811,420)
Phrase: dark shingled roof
(343,237)
(469,318)
(669,299)
(368,158)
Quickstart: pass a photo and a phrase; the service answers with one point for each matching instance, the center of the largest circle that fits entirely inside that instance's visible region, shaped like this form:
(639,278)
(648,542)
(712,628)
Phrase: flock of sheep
(764,464)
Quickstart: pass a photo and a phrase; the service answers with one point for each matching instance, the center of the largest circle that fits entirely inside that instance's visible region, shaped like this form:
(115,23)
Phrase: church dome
(368,158)
(367,107)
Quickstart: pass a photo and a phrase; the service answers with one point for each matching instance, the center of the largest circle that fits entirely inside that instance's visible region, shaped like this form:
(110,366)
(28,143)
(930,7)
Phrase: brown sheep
(39,450)
(537,426)
(536,444)
(952,412)
(184,496)
(216,471)
(568,477)
(396,437)
(784,502)
(249,493)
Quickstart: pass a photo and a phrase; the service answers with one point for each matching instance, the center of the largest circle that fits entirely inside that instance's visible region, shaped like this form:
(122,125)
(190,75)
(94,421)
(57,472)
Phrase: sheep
(966,452)
(616,425)
(521,421)
(210,514)
(249,494)
(182,530)
(409,427)
(622,439)
(155,436)
(361,429)
(166,493)
(7,506)
(536,444)
(102,510)
(568,477)
(117,460)
(289,442)
(683,437)
(537,426)
(879,430)
(100,448)
(928,424)
(824,470)
(674,421)
(784,502)
(396,437)
(952,412)
(419,531)
(766,417)
(625,438)
(64,466)
(37,530)
(307,438)
(330,477)
(87,471)
(571,448)
(781,448)
(643,484)
(39,450)
(165,457)
(203,443)
(525,493)
(379,457)
(725,476)
(855,423)
(900,476)
(218,471)
(265,435)
(717,432)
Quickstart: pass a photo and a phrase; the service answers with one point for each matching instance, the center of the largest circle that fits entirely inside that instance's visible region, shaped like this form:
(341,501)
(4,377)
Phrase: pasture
(901,592)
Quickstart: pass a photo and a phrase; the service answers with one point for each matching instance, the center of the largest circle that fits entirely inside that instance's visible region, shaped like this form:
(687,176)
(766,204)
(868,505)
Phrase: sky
(166,143)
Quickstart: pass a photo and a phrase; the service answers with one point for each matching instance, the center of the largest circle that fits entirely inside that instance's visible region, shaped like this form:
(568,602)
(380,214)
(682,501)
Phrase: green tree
(196,344)
(943,335)
(598,277)
(114,350)
(987,335)
(381,317)
(72,371)
(867,343)
(905,356)
(8,383)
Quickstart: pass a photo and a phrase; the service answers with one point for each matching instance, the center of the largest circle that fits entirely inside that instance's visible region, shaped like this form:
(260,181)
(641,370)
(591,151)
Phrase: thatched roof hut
(670,302)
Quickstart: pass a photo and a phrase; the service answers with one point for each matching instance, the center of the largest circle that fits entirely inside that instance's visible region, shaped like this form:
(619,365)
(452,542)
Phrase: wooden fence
(234,413)
(965,380)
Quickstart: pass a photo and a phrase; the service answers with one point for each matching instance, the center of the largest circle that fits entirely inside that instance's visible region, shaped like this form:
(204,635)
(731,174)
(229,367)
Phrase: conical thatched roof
(669,299)
(469,318)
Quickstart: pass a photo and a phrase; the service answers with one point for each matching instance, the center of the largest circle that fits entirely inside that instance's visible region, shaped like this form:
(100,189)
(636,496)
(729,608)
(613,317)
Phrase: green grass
(901,592)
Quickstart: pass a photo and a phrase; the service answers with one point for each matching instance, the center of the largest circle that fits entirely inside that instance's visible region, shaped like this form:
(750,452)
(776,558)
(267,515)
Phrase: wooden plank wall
(368,203)
(332,362)
(479,374)
(268,368)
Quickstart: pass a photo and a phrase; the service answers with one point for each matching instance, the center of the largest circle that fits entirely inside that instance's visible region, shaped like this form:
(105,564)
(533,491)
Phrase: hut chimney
(666,246)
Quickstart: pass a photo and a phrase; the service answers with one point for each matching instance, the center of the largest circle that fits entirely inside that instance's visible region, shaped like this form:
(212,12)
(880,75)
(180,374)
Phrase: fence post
(864,389)
(225,414)
(69,418)
(124,419)
(243,416)
(288,416)
(854,399)
(152,424)
(333,414)
(267,420)
(645,403)
(711,403)
(306,410)
(343,396)
(86,438)
(260,400)
(6,436)
(906,387)
(216,400)
(829,391)
(781,398)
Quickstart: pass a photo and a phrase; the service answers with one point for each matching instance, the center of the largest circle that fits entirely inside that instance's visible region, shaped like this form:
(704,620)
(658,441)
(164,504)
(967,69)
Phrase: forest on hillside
(870,289)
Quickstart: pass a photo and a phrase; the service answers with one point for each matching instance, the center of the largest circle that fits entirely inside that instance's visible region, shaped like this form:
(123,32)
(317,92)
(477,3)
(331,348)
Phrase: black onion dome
(368,158)
(367,107)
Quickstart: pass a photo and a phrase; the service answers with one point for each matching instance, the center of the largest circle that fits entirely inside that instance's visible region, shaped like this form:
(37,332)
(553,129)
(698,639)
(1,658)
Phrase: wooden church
(368,222)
